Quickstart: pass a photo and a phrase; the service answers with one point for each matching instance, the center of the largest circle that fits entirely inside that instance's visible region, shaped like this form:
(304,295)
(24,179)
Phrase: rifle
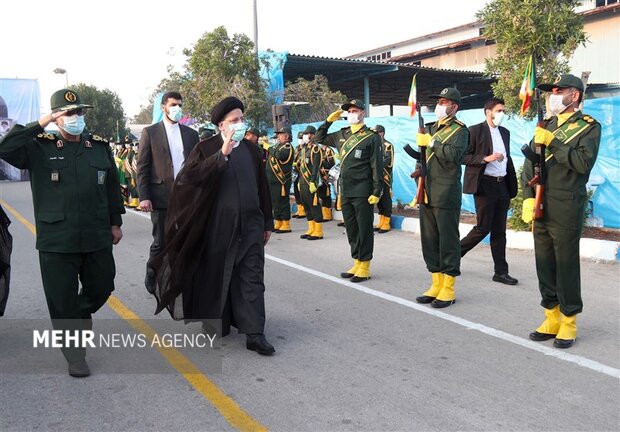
(420,196)
(538,159)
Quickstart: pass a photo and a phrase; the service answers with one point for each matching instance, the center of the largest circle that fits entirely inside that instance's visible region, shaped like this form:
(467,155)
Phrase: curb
(599,250)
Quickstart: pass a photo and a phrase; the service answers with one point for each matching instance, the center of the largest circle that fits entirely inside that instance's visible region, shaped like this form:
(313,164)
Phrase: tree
(317,100)
(549,29)
(220,66)
(107,117)
(174,82)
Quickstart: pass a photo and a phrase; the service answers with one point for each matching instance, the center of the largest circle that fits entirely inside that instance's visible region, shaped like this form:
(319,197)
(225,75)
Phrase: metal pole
(367,95)
(255,22)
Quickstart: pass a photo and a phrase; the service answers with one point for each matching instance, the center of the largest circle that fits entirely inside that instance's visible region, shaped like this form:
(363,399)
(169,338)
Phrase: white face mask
(555,104)
(497,118)
(353,118)
(441,111)
(306,138)
(300,141)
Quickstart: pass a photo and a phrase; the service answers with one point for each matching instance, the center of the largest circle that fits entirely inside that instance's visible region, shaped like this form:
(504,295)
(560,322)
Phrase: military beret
(300,134)
(310,130)
(66,100)
(378,129)
(253,131)
(563,81)
(356,103)
(223,107)
(449,93)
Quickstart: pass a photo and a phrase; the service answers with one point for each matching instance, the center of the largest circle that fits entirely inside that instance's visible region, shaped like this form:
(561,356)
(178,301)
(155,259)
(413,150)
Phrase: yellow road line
(227,407)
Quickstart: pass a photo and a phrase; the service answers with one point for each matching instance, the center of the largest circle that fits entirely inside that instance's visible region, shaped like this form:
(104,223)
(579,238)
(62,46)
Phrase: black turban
(223,107)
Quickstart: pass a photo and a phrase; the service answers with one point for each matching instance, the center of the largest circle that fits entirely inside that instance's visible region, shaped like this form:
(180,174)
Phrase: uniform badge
(70,96)
(100,177)
(59,144)
(55,176)
(358,154)
(87,144)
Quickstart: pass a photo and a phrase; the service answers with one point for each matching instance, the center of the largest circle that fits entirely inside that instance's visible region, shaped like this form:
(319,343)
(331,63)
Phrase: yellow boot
(310,230)
(378,227)
(301,211)
(317,234)
(362,273)
(550,326)
(385,225)
(351,272)
(327,214)
(285,227)
(568,332)
(277,224)
(446,296)
(432,292)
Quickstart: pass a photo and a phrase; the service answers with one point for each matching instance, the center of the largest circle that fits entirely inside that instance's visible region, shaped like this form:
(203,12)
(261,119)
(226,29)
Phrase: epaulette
(460,123)
(97,139)
(47,136)
(388,144)
(589,119)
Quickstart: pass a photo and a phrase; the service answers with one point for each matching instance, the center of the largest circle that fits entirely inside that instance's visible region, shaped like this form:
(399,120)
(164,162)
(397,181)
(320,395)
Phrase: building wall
(601,55)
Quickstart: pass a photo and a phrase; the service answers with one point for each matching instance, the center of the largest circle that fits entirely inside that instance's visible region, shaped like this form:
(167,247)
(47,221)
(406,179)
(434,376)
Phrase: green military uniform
(75,192)
(324,191)
(361,162)
(279,166)
(439,216)
(570,157)
(300,145)
(385,203)
(309,166)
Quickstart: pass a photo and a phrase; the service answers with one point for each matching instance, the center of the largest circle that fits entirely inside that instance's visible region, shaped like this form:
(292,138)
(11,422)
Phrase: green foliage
(220,66)
(107,113)
(314,101)
(550,29)
(516,208)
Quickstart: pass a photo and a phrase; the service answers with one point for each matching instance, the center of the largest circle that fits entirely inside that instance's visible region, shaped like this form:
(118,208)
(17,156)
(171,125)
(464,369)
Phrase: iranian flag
(527,87)
(413,97)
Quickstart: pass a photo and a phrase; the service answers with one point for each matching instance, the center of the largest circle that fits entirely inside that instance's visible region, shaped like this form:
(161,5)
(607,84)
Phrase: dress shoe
(424,299)
(505,279)
(312,237)
(304,236)
(357,279)
(78,368)
(539,337)
(563,343)
(375,229)
(346,275)
(439,304)
(258,343)
(383,231)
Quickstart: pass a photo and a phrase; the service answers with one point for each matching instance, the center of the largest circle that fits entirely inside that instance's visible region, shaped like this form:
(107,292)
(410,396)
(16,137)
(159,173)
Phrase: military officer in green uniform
(385,203)
(279,166)
(446,143)
(300,213)
(572,140)
(77,209)
(309,166)
(328,160)
(361,162)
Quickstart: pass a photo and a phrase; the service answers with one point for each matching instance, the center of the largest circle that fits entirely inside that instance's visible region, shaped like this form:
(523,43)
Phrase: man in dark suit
(490,177)
(163,149)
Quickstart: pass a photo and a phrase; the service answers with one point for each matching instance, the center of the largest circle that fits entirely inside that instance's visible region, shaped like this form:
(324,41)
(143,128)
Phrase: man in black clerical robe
(219,220)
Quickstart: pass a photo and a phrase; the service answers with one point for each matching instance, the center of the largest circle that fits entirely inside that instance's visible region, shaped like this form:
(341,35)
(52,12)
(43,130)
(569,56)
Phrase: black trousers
(492,202)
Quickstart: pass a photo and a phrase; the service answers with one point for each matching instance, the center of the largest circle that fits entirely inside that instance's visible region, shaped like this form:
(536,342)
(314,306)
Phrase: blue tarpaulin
(605,174)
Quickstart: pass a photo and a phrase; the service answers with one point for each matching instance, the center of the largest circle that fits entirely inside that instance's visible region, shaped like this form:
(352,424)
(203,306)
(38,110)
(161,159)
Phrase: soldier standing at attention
(439,216)
(301,212)
(572,140)
(77,208)
(309,165)
(325,194)
(361,162)
(385,203)
(279,167)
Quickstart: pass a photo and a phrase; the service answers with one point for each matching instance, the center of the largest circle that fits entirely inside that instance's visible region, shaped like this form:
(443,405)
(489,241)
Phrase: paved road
(349,357)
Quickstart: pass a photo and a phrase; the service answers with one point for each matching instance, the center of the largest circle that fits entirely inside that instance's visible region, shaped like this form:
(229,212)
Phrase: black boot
(258,343)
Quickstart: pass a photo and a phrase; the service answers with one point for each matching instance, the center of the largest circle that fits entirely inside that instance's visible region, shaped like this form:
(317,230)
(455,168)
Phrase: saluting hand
(228,144)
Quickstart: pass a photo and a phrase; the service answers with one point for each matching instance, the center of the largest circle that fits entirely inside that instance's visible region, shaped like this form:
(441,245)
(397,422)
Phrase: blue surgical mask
(175,113)
(240,129)
(73,125)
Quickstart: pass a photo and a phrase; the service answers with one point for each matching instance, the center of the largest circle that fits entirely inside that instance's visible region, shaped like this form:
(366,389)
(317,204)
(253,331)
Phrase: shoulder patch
(47,136)
(589,119)
(98,139)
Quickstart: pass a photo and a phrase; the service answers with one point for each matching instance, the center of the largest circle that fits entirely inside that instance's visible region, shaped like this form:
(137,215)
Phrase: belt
(495,179)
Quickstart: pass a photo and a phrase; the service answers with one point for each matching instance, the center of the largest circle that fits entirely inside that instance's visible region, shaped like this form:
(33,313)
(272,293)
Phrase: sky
(126,45)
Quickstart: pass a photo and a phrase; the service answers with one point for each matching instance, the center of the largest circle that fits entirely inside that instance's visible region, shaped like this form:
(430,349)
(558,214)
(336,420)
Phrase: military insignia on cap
(70,96)
(557,80)
(444,91)
(354,102)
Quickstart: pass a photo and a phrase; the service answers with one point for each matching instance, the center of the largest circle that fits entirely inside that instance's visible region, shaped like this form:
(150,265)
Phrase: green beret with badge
(449,93)
(66,100)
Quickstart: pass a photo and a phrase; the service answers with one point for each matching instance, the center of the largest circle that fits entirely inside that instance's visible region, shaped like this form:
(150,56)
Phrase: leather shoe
(311,237)
(346,275)
(78,368)
(563,343)
(357,279)
(304,236)
(539,337)
(505,279)
(439,304)
(424,299)
(258,343)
